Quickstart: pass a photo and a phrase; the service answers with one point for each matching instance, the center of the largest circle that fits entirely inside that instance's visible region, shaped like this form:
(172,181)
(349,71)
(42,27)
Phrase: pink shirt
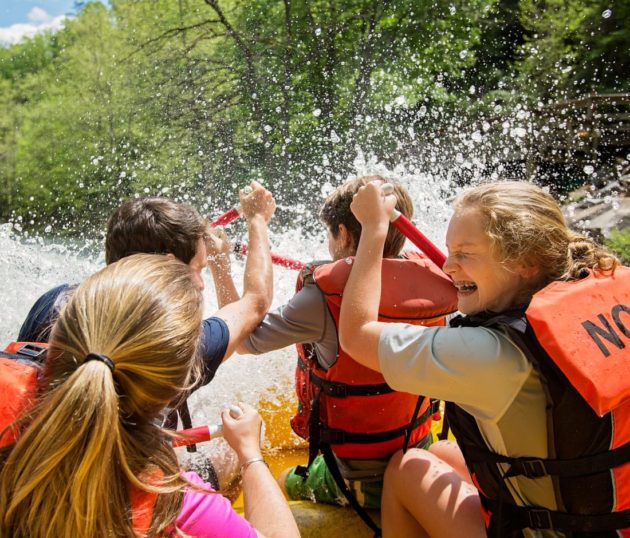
(210,515)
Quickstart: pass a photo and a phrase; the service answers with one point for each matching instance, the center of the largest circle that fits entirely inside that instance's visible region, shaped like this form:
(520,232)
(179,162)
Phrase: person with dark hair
(345,411)
(161,226)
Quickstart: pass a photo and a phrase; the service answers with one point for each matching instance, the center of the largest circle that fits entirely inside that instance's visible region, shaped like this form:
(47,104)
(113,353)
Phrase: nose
(449,265)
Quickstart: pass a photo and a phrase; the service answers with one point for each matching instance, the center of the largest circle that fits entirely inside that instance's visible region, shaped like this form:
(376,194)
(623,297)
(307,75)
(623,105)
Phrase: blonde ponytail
(93,434)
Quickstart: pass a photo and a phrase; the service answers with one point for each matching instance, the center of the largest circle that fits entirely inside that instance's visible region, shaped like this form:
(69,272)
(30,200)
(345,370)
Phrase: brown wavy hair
(526,224)
(336,210)
(93,433)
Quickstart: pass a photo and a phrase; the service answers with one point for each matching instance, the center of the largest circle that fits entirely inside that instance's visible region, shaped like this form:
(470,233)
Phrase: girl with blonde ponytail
(534,373)
(91,460)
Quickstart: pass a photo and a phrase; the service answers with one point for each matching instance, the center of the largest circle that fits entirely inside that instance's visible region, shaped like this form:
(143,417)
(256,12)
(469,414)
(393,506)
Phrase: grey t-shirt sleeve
(480,369)
(303,319)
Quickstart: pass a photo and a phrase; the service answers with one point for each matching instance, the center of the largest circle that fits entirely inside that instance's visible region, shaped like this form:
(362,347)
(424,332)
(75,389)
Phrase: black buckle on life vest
(533,468)
(540,519)
(31,350)
(333,437)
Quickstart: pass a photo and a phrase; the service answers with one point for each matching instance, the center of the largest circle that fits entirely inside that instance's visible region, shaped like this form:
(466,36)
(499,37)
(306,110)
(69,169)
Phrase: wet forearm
(258,277)
(358,326)
(223,282)
(265,506)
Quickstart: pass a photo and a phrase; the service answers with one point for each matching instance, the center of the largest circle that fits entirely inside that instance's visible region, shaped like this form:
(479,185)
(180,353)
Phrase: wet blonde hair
(93,433)
(525,224)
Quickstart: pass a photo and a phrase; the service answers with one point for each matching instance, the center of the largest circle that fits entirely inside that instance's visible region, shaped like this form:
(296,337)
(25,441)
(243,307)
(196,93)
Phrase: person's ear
(170,256)
(346,238)
(528,270)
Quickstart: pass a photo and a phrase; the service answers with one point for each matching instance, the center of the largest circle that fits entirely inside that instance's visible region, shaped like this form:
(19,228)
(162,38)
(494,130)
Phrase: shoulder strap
(536,467)
(28,353)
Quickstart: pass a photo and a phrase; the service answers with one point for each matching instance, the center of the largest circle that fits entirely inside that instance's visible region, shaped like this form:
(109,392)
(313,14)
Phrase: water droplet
(607,13)
(317,112)
(472,90)
(518,132)
(267,128)
(463,53)
(318,31)
(589,169)
(477,137)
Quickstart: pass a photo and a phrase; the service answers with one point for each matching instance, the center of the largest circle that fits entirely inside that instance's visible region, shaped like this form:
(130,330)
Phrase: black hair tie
(102,358)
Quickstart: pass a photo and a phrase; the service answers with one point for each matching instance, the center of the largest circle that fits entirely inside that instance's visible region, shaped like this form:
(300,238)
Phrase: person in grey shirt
(307,319)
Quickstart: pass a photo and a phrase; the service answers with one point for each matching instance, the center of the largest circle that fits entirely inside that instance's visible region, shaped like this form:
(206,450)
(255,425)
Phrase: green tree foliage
(574,47)
(192,98)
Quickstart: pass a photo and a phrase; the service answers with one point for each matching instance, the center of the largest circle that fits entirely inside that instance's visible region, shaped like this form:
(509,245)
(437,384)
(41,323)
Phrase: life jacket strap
(434,407)
(314,438)
(343,390)
(28,353)
(329,436)
(536,467)
(528,517)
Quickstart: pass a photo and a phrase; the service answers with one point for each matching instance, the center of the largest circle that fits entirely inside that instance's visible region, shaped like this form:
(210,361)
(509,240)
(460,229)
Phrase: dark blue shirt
(36,328)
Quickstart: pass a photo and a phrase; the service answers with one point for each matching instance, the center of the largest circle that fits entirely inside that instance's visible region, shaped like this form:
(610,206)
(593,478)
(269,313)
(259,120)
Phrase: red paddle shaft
(226,218)
(407,228)
(241,248)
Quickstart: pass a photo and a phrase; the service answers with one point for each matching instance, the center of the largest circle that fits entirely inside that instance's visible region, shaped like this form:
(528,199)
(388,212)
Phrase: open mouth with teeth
(466,288)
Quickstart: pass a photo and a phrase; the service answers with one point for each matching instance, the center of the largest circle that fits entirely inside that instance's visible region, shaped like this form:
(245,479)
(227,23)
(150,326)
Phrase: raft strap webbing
(183,412)
(331,463)
(535,467)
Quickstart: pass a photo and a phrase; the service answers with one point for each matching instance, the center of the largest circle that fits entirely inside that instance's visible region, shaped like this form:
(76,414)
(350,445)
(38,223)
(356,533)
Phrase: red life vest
(20,365)
(577,336)
(358,415)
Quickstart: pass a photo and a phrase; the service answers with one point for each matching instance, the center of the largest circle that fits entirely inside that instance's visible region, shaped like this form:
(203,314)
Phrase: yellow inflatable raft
(284,449)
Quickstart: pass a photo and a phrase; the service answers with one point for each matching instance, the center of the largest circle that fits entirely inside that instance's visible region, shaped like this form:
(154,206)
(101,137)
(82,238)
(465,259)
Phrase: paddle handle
(201,434)
(231,214)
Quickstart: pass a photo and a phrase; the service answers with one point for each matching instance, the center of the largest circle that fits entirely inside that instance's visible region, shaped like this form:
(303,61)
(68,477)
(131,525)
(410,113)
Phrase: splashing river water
(31,267)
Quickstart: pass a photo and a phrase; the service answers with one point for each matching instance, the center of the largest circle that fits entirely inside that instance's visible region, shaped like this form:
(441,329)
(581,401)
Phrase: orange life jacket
(577,336)
(349,407)
(20,365)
